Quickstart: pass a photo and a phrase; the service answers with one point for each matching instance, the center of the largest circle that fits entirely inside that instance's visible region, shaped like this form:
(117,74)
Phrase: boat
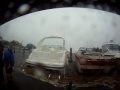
(112,49)
(51,57)
(90,60)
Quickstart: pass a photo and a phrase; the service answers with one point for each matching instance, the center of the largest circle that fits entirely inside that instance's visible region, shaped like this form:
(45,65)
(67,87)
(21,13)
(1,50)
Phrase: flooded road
(97,79)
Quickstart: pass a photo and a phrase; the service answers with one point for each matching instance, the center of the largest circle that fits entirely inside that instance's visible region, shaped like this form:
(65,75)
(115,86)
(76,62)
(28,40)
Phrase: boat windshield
(113,47)
(53,43)
(52,46)
(82,49)
(89,49)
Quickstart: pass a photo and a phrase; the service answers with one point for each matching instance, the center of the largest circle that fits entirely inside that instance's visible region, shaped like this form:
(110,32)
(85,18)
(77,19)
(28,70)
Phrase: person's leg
(11,70)
(11,77)
(7,74)
(1,75)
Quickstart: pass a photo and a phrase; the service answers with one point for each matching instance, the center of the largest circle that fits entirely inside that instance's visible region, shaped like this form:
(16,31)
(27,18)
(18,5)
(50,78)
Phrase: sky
(80,27)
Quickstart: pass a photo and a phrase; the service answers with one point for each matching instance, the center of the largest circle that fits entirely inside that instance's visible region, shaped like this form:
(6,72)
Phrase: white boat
(49,56)
(86,59)
(112,49)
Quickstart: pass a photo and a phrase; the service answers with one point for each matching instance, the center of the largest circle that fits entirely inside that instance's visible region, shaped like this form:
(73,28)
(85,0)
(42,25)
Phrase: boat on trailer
(90,60)
(52,57)
(112,49)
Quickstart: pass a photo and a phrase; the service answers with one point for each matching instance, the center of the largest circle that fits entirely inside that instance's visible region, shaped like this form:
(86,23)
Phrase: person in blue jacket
(9,61)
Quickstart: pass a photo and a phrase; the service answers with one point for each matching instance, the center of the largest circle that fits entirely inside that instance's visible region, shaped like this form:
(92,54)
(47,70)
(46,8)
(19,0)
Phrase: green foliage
(6,42)
(14,42)
(96,49)
(30,46)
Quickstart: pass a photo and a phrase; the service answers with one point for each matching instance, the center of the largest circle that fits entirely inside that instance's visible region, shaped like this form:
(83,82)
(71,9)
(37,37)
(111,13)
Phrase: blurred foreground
(26,78)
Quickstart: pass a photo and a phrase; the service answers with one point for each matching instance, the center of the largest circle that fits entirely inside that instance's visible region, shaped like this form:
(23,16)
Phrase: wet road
(24,82)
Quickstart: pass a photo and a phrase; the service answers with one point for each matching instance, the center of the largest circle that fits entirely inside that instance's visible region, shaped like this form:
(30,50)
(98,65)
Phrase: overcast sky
(80,27)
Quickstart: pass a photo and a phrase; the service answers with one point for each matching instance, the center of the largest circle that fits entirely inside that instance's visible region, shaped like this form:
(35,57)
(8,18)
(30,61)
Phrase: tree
(111,41)
(96,49)
(6,42)
(30,46)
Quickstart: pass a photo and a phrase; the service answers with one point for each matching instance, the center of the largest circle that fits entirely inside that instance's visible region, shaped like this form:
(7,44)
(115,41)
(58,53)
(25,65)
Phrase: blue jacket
(9,58)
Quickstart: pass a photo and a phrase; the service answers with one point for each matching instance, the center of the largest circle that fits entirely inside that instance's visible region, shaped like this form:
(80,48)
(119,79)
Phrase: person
(1,60)
(9,61)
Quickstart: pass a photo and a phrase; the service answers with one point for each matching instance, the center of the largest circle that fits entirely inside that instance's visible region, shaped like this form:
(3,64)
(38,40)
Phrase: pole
(70,55)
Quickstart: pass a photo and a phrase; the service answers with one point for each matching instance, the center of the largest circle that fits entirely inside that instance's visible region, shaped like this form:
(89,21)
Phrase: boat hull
(94,64)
